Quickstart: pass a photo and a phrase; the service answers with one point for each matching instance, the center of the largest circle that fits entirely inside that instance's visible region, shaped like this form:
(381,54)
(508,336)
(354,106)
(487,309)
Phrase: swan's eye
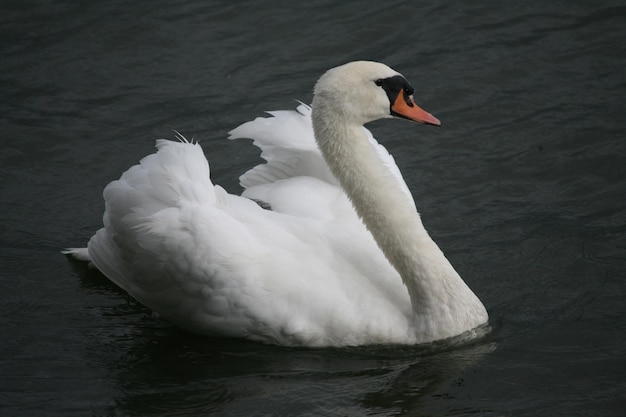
(379,82)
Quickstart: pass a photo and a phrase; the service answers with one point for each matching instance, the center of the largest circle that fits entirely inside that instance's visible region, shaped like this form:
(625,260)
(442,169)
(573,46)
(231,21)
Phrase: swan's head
(363,91)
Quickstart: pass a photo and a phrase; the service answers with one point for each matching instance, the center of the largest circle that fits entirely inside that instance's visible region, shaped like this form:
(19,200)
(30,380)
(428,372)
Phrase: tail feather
(80,254)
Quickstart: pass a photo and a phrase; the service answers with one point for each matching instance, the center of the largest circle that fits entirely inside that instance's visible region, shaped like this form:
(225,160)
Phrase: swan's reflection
(158,369)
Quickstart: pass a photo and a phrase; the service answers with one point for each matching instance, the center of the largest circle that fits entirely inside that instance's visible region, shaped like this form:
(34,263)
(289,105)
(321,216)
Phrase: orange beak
(404,106)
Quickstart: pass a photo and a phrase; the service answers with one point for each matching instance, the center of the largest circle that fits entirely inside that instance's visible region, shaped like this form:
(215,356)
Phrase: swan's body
(308,271)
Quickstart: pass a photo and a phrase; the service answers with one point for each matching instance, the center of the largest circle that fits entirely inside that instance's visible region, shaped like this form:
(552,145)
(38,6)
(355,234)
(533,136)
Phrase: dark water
(524,188)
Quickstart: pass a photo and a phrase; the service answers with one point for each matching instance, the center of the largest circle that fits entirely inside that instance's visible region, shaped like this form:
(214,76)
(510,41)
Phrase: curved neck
(434,286)
(375,194)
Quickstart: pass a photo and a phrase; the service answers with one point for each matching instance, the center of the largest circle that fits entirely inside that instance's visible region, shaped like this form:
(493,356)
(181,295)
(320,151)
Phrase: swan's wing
(288,146)
(216,263)
(143,204)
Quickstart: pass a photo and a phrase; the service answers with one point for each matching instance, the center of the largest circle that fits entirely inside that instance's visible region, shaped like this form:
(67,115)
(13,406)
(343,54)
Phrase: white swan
(307,272)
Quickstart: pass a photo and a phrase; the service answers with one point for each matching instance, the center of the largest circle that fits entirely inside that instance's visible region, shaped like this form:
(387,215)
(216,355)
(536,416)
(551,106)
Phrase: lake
(523,187)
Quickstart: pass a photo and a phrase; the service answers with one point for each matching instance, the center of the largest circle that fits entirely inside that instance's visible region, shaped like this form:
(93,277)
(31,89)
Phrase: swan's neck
(440,299)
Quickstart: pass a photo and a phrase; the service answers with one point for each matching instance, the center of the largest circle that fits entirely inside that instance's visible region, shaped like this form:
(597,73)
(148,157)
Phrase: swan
(335,255)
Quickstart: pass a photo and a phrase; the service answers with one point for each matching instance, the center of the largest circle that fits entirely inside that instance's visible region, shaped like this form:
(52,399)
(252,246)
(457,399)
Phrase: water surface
(523,188)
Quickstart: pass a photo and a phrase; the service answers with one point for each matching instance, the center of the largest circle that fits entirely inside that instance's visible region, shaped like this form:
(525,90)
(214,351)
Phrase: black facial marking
(393,86)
